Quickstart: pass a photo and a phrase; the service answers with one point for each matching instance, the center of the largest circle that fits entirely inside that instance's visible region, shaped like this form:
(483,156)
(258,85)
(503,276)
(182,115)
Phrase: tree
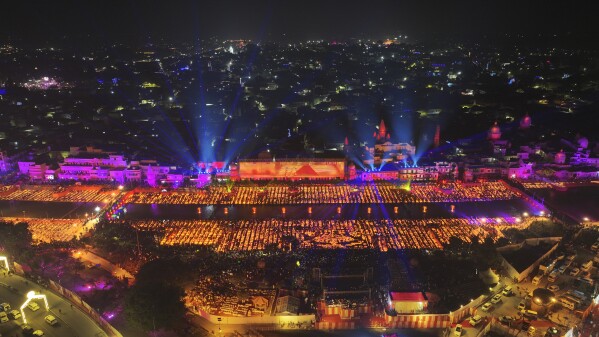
(171,271)
(122,238)
(455,244)
(15,239)
(154,305)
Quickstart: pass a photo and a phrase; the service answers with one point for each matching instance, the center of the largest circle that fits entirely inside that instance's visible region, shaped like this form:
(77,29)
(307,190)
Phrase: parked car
(27,330)
(38,333)
(474,320)
(553,287)
(507,320)
(458,330)
(496,299)
(486,307)
(51,320)
(552,331)
(14,314)
(33,306)
(531,331)
(5,307)
(3,317)
(574,272)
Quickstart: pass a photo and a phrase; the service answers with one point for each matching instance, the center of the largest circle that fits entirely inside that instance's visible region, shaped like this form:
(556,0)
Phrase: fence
(266,319)
(461,313)
(76,300)
(419,321)
(485,329)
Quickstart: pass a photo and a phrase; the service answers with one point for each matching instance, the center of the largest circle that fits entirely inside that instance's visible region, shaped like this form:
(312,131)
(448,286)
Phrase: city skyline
(142,22)
(299,168)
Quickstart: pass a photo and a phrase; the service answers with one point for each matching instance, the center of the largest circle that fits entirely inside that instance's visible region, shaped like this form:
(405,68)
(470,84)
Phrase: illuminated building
(6,162)
(289,169)
(525,122)
(494,133)
(560,157)
(517,170)
(90,164)
(397,171)
(408,302)
(384,151)
(583,157)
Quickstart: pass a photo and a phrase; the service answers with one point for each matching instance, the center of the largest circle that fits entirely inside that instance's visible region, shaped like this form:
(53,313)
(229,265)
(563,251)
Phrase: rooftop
(408,296)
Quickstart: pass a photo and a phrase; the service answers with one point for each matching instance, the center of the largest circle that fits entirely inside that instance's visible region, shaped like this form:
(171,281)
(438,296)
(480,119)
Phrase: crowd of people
(253,234)
(342,193)
(51,230)
(59,193)
(254,302)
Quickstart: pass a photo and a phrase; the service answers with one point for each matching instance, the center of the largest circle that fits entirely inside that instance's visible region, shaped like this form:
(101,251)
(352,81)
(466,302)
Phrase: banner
(292,169)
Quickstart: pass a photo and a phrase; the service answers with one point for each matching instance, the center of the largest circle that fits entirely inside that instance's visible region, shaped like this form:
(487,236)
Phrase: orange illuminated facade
(292,169)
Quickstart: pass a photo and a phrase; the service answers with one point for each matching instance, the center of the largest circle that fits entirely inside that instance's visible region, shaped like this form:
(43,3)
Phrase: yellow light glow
(3,258)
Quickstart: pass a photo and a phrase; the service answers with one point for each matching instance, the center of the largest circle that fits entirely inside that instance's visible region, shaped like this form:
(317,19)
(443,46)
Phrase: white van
(507,291)
(536,280)
(553,276)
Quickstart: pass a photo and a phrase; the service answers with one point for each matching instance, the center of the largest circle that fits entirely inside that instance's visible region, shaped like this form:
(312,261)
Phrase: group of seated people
(58,193)
(342,193)
(385,234)
(49,230)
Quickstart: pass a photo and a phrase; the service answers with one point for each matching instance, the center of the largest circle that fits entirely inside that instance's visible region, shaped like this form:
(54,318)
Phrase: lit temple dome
(382,135)
(583,142)
(494,132)
(525,122)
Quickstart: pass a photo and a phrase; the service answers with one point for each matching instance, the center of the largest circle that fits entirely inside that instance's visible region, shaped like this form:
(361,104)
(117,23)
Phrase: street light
(33,296)
(3,258)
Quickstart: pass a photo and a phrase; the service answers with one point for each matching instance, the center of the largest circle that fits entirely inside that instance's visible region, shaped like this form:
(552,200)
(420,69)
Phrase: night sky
(183,20)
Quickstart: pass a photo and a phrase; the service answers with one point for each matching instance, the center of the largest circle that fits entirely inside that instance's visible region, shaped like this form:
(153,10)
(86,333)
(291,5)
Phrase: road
(72,321)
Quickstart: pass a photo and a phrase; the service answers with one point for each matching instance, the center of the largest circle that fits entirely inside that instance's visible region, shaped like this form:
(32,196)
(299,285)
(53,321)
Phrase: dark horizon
(140,22)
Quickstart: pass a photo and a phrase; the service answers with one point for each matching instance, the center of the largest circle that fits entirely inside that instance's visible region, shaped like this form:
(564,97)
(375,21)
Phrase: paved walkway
(104,264)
